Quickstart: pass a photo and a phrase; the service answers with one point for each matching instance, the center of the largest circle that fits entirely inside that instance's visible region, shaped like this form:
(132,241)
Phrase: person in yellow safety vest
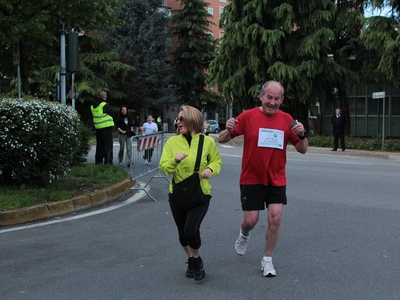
(103,123)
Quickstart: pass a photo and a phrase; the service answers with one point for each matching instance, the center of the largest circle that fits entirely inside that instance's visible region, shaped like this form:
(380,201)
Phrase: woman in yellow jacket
(178,158)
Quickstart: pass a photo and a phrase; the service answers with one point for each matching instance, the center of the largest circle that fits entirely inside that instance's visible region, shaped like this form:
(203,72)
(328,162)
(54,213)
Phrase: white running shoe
(241,244)
(146,162)
(267,267)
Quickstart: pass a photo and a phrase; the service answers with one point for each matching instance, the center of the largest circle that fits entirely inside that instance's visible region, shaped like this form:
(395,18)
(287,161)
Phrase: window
(211,11)
(222,1)
(221,10)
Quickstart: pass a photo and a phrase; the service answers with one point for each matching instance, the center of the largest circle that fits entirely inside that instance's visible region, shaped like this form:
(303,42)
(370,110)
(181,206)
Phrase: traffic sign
(381,95)
(378,95)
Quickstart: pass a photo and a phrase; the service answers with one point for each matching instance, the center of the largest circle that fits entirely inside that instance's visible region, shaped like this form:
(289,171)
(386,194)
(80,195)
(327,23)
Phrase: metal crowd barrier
(145,159)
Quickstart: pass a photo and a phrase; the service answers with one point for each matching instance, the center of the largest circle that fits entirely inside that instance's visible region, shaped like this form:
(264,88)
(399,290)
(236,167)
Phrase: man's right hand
(230,124)
(225,135)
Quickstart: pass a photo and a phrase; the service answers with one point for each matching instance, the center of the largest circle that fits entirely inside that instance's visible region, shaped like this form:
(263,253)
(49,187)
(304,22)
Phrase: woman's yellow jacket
(210,158)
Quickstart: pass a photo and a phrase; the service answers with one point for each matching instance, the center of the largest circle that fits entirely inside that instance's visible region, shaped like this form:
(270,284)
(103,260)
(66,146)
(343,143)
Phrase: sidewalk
(117,191)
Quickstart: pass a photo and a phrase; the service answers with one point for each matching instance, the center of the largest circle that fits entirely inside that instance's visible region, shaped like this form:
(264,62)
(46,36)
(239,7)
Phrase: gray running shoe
(241,244)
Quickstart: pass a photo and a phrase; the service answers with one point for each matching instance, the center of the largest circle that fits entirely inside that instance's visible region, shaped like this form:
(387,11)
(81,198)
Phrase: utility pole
(16,61)
(72,62)
(63,67)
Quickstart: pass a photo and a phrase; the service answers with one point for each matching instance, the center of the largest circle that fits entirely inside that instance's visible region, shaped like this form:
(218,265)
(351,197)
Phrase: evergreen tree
(195,50)
(143,41)
(100,69)
(39,33)
(288,41)
(381,35)
(348,52)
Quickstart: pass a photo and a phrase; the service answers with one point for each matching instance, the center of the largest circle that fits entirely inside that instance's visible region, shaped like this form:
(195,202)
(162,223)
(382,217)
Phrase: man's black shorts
(258,196)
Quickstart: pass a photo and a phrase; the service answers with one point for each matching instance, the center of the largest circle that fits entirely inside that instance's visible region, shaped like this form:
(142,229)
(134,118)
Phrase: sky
(385,12)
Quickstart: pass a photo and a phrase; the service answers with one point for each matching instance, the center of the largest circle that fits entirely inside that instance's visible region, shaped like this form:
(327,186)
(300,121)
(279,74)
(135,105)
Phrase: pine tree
(144,42)
(195,50)
(381,35)
(100,69)
(288,41)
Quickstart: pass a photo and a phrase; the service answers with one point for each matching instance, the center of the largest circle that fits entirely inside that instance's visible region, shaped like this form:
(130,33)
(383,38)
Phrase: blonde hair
(193,119)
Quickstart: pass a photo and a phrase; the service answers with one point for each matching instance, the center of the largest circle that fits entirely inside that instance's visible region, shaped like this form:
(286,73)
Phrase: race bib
(270,138)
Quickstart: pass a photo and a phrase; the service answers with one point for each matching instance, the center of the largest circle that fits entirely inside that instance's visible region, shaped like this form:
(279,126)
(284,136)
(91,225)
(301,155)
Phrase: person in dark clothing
(125,132)
(338,124)
(103,123)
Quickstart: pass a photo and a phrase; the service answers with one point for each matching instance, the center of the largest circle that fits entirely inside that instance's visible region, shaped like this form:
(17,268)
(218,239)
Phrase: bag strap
(198,158)
(199,152)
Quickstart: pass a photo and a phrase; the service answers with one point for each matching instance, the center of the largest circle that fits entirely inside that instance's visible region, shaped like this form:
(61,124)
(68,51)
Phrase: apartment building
(215,9)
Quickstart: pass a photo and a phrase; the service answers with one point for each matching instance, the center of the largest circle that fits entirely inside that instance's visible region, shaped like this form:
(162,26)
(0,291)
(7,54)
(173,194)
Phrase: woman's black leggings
(188,222)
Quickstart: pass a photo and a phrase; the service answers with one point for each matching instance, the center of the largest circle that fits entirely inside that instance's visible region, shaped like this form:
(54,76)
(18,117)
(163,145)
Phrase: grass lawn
(81,180)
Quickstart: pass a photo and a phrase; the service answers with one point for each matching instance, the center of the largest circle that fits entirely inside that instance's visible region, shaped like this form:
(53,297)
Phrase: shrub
(39,141)
(81,152)
(358,143)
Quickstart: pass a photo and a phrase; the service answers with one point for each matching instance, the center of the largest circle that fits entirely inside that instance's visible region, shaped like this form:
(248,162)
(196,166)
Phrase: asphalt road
(339,240)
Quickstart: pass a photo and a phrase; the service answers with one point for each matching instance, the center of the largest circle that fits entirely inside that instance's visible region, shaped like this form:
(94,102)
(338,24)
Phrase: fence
(145,159)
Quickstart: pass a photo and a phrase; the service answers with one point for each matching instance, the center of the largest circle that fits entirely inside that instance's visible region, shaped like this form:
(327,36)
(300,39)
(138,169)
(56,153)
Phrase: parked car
(214,126)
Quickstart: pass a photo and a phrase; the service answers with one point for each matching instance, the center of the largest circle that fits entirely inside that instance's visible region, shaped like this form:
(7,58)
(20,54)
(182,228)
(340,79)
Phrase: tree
(381,35)
(143,41)
(288,41)
(196,48)
(39,33)
(100,69)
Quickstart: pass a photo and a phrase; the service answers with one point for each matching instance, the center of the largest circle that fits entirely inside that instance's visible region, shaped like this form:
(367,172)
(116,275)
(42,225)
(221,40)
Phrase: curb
(327,151)
(59,208)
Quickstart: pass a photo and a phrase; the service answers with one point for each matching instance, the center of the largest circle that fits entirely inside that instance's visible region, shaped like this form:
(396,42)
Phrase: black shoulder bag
(188,193)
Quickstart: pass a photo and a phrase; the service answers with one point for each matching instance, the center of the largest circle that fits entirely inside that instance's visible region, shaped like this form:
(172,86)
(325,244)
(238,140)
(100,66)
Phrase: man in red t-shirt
(266,130)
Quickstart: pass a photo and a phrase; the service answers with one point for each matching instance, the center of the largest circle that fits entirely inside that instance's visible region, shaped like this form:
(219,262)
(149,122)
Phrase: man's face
(149,119)
(338,111)
(271,99)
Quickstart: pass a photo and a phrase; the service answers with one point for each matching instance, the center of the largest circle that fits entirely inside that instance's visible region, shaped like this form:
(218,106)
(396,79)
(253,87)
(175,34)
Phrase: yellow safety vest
(101,119)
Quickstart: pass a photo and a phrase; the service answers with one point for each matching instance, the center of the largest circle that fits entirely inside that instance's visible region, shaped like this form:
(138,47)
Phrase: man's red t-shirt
(263,165)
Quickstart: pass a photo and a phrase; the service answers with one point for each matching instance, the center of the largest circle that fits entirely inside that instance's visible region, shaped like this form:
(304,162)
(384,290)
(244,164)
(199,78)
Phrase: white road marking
(226,146)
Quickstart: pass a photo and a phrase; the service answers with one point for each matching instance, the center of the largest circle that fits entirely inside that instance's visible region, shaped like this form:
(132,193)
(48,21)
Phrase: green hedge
(39,141)
(358,143)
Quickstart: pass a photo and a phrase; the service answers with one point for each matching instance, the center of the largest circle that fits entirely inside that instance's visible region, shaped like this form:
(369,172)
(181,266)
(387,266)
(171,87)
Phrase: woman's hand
(180,156)
(207,173)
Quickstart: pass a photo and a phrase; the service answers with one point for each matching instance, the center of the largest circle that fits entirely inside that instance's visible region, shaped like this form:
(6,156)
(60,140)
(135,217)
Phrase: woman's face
(124,110)
(181,123)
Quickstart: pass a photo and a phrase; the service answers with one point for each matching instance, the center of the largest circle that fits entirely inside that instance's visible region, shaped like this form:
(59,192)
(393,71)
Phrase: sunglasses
(180,118)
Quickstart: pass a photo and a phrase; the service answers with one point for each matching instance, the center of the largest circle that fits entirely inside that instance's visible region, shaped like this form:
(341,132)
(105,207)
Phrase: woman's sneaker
(190,268)
(199,272)
(267,267)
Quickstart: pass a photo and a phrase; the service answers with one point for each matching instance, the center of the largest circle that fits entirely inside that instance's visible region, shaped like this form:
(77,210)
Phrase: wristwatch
(302,137)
